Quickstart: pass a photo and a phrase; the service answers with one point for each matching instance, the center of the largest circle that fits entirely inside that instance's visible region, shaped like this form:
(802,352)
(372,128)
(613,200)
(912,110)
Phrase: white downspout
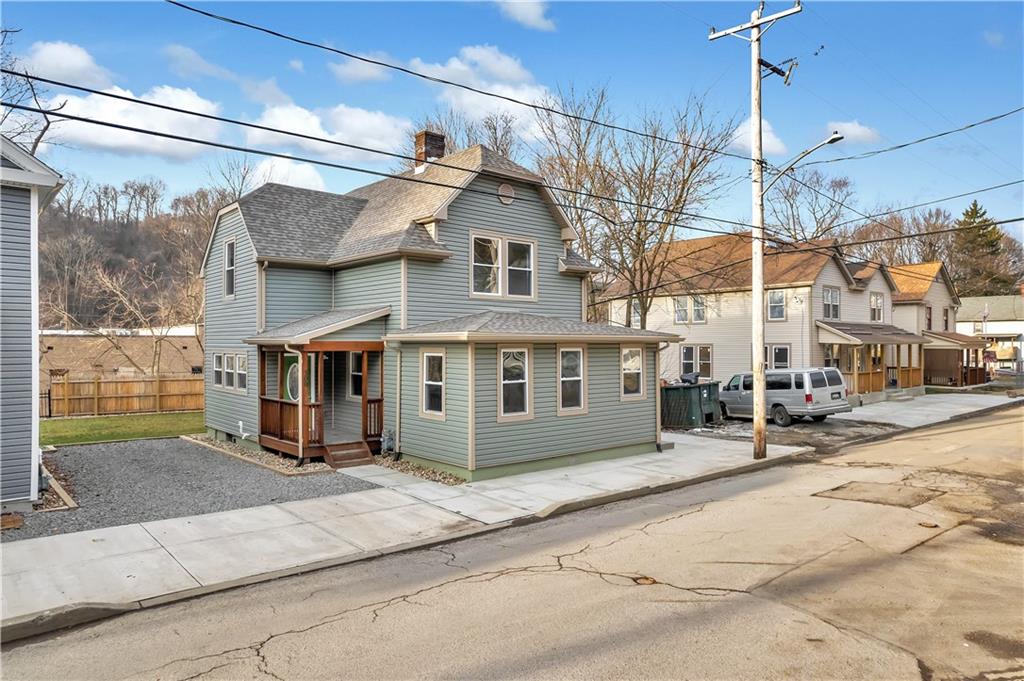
(302,433)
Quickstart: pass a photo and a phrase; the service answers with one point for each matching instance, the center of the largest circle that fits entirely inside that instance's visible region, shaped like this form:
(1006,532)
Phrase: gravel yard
(131,482)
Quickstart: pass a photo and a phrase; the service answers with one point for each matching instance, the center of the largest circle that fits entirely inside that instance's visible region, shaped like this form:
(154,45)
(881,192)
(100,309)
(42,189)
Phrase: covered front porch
(955,359)
(320,397)
(873,358)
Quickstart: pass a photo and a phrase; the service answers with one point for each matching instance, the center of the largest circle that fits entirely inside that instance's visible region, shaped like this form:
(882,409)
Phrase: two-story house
(926,303)
(999,321)
(440,313)
(820,310)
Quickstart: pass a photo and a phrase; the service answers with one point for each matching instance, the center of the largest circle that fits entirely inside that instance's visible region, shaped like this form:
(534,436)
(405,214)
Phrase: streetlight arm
(832,139)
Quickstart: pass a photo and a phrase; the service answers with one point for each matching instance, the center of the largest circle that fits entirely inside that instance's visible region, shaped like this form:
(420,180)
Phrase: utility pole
(757,212)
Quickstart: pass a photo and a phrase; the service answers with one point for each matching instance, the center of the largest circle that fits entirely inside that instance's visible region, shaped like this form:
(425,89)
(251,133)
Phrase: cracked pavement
(747,577)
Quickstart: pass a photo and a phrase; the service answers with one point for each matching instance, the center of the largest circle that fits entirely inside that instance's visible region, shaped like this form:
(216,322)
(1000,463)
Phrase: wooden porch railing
(280,419)
(374,424)
(974,375)
(903,377)
(867,381)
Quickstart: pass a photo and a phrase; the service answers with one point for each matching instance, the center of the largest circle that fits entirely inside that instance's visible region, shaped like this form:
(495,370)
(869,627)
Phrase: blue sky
(897,70)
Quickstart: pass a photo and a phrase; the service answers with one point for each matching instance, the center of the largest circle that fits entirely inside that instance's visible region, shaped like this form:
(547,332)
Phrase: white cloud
(342,123)
(771,145)
(187,63)
(296,65)
(529,14)
(65,61)
(356,71)
(294,173)
(854,132)
(126,113)
(993,38)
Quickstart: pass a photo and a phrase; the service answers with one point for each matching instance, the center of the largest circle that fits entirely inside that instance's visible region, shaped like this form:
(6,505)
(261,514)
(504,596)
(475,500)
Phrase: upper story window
(632,365)
(503,267)
(229,268)
(877,303)
(635,315)
(945,319)
(830,300)
(690,309)
(776,305)
(928,318)
(699,314)
(682,306)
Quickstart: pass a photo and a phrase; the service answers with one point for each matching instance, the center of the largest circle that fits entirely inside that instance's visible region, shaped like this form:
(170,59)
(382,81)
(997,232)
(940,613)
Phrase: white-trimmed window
(229,268)
(571,384)
(699,310)
(776,356)
(634,307)
(355,374)
(928,318)
(241,371)
(945,319)
(218,369)
(229,371)
(519,256)
(433,383)
(682,305)
(776,306)
(695,358)
(486,266)
(514,373)
(877,307)
(830,301)
(632,365)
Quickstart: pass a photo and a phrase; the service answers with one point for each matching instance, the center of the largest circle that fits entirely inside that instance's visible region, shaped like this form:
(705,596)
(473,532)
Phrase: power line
(443,81)
(876,152)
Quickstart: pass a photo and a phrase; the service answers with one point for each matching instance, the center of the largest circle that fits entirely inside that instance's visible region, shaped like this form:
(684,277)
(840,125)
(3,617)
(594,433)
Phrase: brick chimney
(429,146)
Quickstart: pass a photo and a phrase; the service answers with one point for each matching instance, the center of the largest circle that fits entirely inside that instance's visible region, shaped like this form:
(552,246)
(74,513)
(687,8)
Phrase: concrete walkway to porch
(52,582)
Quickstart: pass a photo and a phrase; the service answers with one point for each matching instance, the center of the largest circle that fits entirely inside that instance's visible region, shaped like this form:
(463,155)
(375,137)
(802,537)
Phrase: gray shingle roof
(513,324)
(1000,308)
(574,262)
(319,324)
(292,223)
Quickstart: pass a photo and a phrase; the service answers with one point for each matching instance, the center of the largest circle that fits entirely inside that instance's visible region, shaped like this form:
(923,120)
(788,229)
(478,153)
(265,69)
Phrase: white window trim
(635,313)
(685,308)
(826,311)
(770,351)
(693,309)
(423,412)
(528,414)
(233,269)
(503,241)
(218,358)
(642,395)
(239,372)
(785,305)
(348,375)
(880,297)
(508,267)
(584,407)
(231,371)
(695,347)
(473,293)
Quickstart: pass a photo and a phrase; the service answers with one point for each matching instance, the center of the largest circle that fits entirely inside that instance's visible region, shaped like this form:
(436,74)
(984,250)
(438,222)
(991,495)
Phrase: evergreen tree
(977,262)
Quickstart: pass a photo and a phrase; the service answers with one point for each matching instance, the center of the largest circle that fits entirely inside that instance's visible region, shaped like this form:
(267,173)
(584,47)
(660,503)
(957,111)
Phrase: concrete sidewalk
(51,582)
(927,410)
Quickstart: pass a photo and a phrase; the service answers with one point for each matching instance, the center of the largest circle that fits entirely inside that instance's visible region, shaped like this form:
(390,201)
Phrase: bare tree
(928,225)
(233,176)
(26,128)
(64,261)
(496,131)
(806,204)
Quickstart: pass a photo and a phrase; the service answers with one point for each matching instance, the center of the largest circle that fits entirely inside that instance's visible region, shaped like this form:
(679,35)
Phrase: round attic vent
(506,194)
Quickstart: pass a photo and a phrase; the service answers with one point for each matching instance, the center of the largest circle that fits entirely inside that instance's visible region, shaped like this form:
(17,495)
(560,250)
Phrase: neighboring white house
(1000,321)
(820,310)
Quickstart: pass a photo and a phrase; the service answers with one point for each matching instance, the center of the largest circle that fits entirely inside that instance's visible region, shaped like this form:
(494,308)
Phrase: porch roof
(945,340)
(522,326)
(855,333)
(301,331)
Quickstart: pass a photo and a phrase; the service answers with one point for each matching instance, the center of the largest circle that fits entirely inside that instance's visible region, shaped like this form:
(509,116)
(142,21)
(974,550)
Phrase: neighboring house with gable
(999,321)
(441,312)
(927,304)
(26,185)
(820,310)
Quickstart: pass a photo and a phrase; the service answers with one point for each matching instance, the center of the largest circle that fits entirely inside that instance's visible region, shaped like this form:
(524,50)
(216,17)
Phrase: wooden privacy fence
(145,394)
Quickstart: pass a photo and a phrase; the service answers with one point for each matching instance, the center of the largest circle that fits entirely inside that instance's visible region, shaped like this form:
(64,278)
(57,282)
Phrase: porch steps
(348,454)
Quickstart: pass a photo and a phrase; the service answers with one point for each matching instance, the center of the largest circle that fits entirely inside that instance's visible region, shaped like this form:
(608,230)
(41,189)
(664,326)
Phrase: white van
(815,392)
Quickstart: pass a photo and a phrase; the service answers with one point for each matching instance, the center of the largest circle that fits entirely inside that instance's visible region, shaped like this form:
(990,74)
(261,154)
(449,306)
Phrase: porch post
(855,349)
(302,405)
(921,350)
(899,365)
(366,381)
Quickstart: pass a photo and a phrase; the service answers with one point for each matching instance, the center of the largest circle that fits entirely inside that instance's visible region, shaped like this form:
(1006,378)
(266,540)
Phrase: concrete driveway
(831,569)
(926,409)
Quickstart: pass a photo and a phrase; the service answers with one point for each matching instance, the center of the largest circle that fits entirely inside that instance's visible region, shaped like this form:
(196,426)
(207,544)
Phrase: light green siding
(293,293)
(609,423)
(378,283)
(372,330)
(228,322)
(447,441)
(440,290)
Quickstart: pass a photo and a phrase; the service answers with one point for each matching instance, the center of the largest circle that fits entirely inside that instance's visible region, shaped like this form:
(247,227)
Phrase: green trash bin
(689,406)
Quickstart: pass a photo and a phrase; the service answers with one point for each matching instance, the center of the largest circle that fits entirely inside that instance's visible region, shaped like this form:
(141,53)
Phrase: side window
(877,304)
(734,383)
(780,356)
(798,381)
(833,377)
(514,373)
(928,318)
(229,371)
(229,268)
(634,311)
(486,266)
(241,371)
(570,379)
(776,305)
(699,311)
(778,382)
(632,372)
(817,379)
(433,384)
(355,374)
(830,299)
(945,319)
(520,269)
(682,305)
(218,369)
(748,382)
(686,362)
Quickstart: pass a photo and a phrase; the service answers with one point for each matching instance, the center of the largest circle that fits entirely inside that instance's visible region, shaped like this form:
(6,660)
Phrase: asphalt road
(898,560)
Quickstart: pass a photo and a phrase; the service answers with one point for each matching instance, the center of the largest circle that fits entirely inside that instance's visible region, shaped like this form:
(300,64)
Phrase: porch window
(514,373)
(355,374)
(570,379)
(831,356)
(520,269)
(698,309)
(632,372)
(433,383)
(229,371)
(830,298)
(218,369)
(877,301)
(229,268)
(695,358)
(776,306)
(682,305)
(486,266)
(241,371)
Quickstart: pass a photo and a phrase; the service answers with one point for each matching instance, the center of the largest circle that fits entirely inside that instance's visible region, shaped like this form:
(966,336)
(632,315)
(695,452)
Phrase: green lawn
(105,428)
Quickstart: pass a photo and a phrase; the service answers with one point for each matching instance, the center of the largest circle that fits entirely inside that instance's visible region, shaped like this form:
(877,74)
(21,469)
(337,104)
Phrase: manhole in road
(889,494)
